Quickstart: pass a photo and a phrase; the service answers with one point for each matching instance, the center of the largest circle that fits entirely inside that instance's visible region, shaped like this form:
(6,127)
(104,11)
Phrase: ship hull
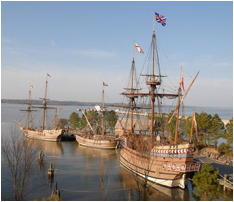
(96,143)
(45,135)
(159,167)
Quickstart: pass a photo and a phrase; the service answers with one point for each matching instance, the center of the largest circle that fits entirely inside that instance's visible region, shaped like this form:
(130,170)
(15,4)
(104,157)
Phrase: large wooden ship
(41,133)
(94,140)
(147,152)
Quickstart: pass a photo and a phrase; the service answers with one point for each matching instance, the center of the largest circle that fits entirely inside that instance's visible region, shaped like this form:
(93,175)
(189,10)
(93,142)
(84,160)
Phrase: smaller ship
(54,135)
(93,138)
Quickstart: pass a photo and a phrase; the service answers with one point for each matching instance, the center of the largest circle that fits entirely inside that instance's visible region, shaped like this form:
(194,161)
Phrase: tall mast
(103,129)
(182,100)
(55,118)
(132,90)
(178,110)
(29,107)
(152,83)
(191,133)
(44,104)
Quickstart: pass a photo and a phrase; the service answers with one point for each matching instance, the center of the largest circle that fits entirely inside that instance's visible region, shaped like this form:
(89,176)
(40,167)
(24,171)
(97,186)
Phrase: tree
(111,120)
(204,123)
(224,148)
(207,185)
(74,120)
(216,129)
(229,132)
(92,117)
(20,156)
(62,123)
(83,122)
(185,127)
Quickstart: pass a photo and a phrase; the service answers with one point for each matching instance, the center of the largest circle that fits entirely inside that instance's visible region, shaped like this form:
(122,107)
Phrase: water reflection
(49,148)
(95,153)
(123,184)
(155,193)
(83,174)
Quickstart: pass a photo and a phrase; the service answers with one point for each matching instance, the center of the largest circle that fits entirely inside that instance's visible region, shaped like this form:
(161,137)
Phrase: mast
(152,83)
(132,90)
(191,133)
(178,110)
(29,110)
(103,129)
(55,117)
(87,120)
(182,100)
(44,104)
(29,107)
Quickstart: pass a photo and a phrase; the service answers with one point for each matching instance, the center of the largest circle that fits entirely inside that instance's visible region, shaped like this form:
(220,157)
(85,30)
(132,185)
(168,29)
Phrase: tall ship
(42,132)
(97,138)
(149,148)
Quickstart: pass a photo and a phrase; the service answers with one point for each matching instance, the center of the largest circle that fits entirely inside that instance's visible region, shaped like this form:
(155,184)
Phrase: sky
(83,44)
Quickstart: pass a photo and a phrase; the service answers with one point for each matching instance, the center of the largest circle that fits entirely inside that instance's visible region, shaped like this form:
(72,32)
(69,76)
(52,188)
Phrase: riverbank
(212,155)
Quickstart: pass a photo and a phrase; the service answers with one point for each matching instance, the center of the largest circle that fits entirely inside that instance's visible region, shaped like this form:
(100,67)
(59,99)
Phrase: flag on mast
(182,81)
(160,19)
(138,48)
(105,84)
(31,86)
(195,126)
(48,75)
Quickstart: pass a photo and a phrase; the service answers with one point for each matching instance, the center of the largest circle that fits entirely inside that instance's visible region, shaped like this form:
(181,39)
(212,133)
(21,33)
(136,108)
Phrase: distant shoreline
(53,102)
(77,103)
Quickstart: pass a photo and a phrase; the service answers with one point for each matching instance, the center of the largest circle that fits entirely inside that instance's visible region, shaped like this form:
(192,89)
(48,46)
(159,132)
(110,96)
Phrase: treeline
(210,130)
(95,119)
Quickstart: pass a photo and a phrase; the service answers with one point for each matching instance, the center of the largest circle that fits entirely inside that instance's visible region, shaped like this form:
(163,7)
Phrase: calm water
(83,173)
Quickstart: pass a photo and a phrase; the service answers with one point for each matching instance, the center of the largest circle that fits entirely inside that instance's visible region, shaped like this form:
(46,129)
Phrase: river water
(84,173)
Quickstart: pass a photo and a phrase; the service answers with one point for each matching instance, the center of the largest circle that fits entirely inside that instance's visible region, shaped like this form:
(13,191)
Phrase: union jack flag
(160,19)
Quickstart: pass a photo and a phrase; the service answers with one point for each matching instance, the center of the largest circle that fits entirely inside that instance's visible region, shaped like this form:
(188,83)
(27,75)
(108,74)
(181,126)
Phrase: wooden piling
(40,157)
(51,171)
(55,193)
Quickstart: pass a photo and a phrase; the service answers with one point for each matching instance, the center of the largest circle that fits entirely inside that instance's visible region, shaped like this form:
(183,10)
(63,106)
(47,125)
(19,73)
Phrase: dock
(225,171)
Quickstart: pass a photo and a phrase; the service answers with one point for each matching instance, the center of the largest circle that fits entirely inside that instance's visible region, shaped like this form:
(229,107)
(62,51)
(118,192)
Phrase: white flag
(139,48)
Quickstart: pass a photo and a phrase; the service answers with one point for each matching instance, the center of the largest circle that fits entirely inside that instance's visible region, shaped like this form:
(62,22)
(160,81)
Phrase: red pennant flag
(195,126)
(182,81)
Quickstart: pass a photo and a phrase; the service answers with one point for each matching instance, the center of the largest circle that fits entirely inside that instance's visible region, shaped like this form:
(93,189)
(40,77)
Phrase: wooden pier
(227,185)
(224,172)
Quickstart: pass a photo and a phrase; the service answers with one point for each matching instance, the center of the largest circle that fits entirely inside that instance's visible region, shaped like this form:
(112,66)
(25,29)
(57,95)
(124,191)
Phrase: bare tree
(20,156)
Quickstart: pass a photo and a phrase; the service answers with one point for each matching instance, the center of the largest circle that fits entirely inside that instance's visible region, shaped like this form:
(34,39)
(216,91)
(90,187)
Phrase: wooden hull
(96,143)
(164,165)
(45,135)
